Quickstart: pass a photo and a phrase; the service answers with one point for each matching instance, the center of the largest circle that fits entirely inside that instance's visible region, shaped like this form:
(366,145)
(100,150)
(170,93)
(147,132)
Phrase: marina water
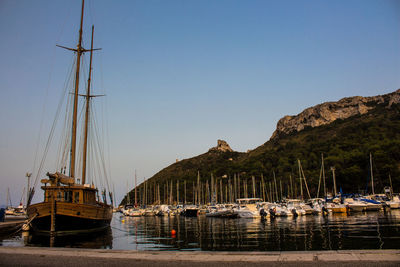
(372,230)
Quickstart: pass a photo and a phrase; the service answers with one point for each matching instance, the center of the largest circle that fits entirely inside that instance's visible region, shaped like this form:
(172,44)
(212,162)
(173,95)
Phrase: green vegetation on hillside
(345,144)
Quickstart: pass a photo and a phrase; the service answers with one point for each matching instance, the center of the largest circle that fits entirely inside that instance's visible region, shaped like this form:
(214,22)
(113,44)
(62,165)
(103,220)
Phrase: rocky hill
(330,111)
(345,131)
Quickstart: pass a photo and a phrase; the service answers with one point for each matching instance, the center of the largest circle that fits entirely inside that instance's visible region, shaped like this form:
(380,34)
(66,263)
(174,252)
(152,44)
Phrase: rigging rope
(50,137)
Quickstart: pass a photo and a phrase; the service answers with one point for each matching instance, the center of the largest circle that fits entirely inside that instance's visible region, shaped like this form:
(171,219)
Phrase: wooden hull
(69,217)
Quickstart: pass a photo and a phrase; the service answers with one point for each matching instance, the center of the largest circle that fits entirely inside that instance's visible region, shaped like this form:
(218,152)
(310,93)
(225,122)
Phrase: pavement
(35,256)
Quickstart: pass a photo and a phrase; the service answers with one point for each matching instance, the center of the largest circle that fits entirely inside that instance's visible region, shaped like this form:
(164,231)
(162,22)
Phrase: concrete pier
(33,256)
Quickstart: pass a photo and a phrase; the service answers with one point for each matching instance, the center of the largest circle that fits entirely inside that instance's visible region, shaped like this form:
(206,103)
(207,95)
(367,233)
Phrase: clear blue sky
(181,74)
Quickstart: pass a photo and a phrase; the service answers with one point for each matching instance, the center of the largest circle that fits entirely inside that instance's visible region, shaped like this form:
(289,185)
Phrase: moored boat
(70,205)
(355,205)
(371,205)
(394,203)
(248,207)
(221,211)
(336,207)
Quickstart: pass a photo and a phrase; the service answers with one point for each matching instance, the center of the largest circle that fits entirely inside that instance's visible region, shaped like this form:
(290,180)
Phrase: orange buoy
(173,232)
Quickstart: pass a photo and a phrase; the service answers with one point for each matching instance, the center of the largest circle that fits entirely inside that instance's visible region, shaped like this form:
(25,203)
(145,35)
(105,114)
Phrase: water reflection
(100,240)
(372,230)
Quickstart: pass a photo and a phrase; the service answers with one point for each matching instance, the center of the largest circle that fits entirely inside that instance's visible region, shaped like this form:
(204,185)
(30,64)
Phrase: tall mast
(276,187)
(87,113)
(334,180)
(135,190)
(323,174)
(8,195)
(79,52)
(372,175)
(301,185)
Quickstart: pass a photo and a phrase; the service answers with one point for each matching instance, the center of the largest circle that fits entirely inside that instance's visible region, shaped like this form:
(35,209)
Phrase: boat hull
(394,205)
(374,207)
(338,209)
(222,214)
(356,208)
(190,212)
(69,217)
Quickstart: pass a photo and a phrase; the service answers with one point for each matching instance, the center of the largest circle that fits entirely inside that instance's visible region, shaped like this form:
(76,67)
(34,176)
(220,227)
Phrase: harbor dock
(34,256)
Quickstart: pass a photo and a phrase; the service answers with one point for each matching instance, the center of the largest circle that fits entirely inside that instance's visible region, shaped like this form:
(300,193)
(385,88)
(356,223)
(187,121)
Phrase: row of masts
(223,189)
(227,190)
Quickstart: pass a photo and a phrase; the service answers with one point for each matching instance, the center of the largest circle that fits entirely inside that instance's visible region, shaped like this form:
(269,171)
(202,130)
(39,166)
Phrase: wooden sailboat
(70,206)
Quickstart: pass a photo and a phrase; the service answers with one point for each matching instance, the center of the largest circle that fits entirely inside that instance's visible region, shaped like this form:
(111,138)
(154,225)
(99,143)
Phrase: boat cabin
(71,194)
(64,189)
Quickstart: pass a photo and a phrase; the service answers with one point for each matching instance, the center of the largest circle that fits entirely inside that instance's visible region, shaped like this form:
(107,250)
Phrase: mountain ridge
(328,112)
(345,141)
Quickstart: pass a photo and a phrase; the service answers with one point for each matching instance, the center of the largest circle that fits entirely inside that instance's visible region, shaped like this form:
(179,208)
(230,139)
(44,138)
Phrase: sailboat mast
(8,196)
(79,52)
(135,190)
(87,113)
(301,185)
(372,175)
(323,174)
(334,181)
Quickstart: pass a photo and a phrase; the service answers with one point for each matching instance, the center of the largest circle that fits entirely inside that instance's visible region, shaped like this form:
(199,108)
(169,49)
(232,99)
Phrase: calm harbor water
(372,230)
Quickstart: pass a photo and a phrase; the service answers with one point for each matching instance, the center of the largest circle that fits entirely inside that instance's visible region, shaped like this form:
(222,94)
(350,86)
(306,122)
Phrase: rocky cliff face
(222,146)
(328,112)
